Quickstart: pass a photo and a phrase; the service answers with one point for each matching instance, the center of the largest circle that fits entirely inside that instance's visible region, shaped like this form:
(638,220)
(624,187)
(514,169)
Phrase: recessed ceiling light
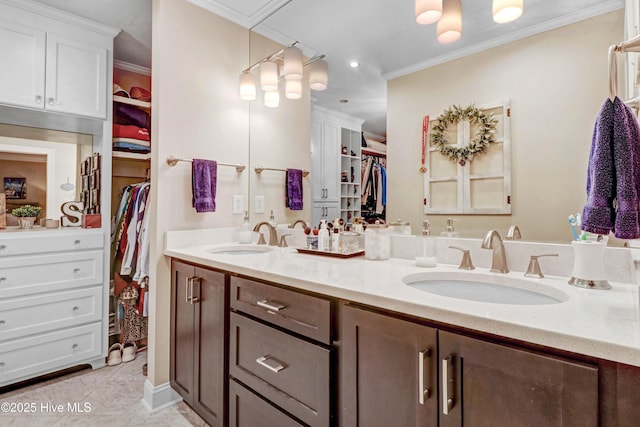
(343,101)
(354,64)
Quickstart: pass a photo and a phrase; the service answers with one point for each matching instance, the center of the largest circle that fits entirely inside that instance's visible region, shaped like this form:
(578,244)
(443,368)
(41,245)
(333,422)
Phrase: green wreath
(478,145)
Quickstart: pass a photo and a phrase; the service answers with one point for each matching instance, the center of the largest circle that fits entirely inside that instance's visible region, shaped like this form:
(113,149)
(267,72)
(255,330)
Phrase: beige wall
(556,81)
(197,113)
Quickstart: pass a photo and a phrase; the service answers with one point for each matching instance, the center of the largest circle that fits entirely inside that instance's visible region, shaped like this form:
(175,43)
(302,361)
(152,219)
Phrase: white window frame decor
(487,141)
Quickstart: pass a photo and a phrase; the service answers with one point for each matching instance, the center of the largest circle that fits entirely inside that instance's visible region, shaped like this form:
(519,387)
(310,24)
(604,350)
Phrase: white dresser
(52,301)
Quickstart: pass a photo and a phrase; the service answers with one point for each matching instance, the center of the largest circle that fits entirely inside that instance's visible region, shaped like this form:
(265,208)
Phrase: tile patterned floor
(111,397)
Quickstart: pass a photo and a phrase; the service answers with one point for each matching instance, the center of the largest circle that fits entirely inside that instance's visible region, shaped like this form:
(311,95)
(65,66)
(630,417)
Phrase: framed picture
(95,180)
(15,188)
(95,162)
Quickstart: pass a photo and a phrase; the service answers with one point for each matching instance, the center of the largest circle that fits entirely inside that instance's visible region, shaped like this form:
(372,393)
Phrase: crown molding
(246,21)
(134,68)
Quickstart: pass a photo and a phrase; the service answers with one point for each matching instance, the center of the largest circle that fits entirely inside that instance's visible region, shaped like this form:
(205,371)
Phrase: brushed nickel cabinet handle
(187,286)
(195,300)
(271,305)
(270,363)
(448,399)
(38,99)
(423,393)
(75,347)
(76,309)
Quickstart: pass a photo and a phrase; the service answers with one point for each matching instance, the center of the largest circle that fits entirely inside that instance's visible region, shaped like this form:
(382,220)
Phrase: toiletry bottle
(450,231)
(244,232)
(323,236)
(426,247)
(272,219)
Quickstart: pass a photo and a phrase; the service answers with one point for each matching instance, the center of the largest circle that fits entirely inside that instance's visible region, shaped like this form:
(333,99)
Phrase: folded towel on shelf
(130,131)
(293,189)
(613,174)
(203,180)
(124,114)
(127,146)
(137,142)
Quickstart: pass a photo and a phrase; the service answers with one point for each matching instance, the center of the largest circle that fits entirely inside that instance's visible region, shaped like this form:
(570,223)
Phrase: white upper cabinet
(53,61)
(22,65)
(76,80)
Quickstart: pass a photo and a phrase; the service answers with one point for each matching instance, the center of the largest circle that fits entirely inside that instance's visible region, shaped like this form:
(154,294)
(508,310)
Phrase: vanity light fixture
(271,98)
(247,86)
(293,89)
(449,27)
(448,15)
(269,75)
(507,10)
(292,71)
(428,11)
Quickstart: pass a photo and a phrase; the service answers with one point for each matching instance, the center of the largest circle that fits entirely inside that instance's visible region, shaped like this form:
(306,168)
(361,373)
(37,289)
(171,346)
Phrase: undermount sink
(486,288)
(240,250)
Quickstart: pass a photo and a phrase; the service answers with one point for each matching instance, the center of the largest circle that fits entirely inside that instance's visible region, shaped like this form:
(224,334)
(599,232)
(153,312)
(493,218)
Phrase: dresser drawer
(20,317)
(28,357)
(46,273)
(304,314)
(248,410)
(290,372)
(33,242)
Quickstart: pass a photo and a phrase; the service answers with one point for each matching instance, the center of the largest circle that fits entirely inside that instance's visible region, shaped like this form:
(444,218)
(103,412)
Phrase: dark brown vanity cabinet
(486,384)
(397,372)
(279,355)
(198,327)
(388,371)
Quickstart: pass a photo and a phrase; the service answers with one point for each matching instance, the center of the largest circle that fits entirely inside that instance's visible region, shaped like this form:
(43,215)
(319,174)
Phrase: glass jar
(350,242)
(377,241)
(400,227)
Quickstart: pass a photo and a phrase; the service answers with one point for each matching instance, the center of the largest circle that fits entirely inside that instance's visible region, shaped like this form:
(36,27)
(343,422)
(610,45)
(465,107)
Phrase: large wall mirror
(40,167)
(549,147)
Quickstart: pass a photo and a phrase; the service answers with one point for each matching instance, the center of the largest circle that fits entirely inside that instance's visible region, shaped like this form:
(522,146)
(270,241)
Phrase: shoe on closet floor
(129,350)
(115,355)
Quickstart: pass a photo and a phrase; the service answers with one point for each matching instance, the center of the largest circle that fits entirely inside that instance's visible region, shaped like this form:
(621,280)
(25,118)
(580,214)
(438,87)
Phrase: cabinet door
(76,79)
(318,190)
(22,53)
(210,325)
(388,371)
(331,155)
(182,331)
(488,384)
(327,211)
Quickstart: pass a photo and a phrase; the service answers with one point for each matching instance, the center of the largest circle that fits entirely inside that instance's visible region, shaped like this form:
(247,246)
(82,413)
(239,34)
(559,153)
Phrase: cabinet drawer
(20,317)
(26,275)
(248,410)
(290,372)
(29,357)
(34,242)
(304,314)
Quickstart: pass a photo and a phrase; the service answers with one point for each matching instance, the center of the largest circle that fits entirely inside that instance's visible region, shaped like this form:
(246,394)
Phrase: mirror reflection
(540,69)
(40,168)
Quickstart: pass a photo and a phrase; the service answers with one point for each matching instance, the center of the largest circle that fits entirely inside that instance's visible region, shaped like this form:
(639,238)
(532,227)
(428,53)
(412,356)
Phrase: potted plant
(26,215)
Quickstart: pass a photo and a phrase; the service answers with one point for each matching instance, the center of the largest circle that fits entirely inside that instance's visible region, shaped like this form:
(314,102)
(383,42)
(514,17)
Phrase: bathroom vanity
(304,340)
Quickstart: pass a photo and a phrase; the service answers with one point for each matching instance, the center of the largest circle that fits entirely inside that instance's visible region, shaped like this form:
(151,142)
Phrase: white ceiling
(381,34)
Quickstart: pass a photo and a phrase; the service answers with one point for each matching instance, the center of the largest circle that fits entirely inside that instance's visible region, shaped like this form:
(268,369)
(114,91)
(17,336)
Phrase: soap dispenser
(450,231)
(244,232)
(323,236)
(426,247)
(272,219)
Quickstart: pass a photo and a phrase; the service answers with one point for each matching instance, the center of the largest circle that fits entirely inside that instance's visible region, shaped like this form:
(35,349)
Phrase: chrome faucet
(298,221)
(273,234)
(492,240)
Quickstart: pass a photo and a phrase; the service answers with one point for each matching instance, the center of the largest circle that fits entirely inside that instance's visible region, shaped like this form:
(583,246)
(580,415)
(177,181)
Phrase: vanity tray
(331,254)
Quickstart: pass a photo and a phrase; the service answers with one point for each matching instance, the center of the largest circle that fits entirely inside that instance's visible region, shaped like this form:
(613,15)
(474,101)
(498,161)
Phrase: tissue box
(91,220)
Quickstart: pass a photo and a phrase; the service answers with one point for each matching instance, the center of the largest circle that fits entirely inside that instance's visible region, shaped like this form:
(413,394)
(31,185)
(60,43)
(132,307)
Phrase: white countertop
(603,324)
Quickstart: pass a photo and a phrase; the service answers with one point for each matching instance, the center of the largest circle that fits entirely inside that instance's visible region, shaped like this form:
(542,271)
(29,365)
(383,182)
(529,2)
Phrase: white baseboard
(159,397)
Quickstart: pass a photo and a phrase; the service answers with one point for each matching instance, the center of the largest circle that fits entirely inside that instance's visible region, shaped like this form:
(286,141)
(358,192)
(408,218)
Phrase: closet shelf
(130,101)
(131,156)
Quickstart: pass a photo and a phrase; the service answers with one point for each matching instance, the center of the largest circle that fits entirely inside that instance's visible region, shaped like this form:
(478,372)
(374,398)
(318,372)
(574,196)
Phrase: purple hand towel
(613,174)
(293,189)
(203,182)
